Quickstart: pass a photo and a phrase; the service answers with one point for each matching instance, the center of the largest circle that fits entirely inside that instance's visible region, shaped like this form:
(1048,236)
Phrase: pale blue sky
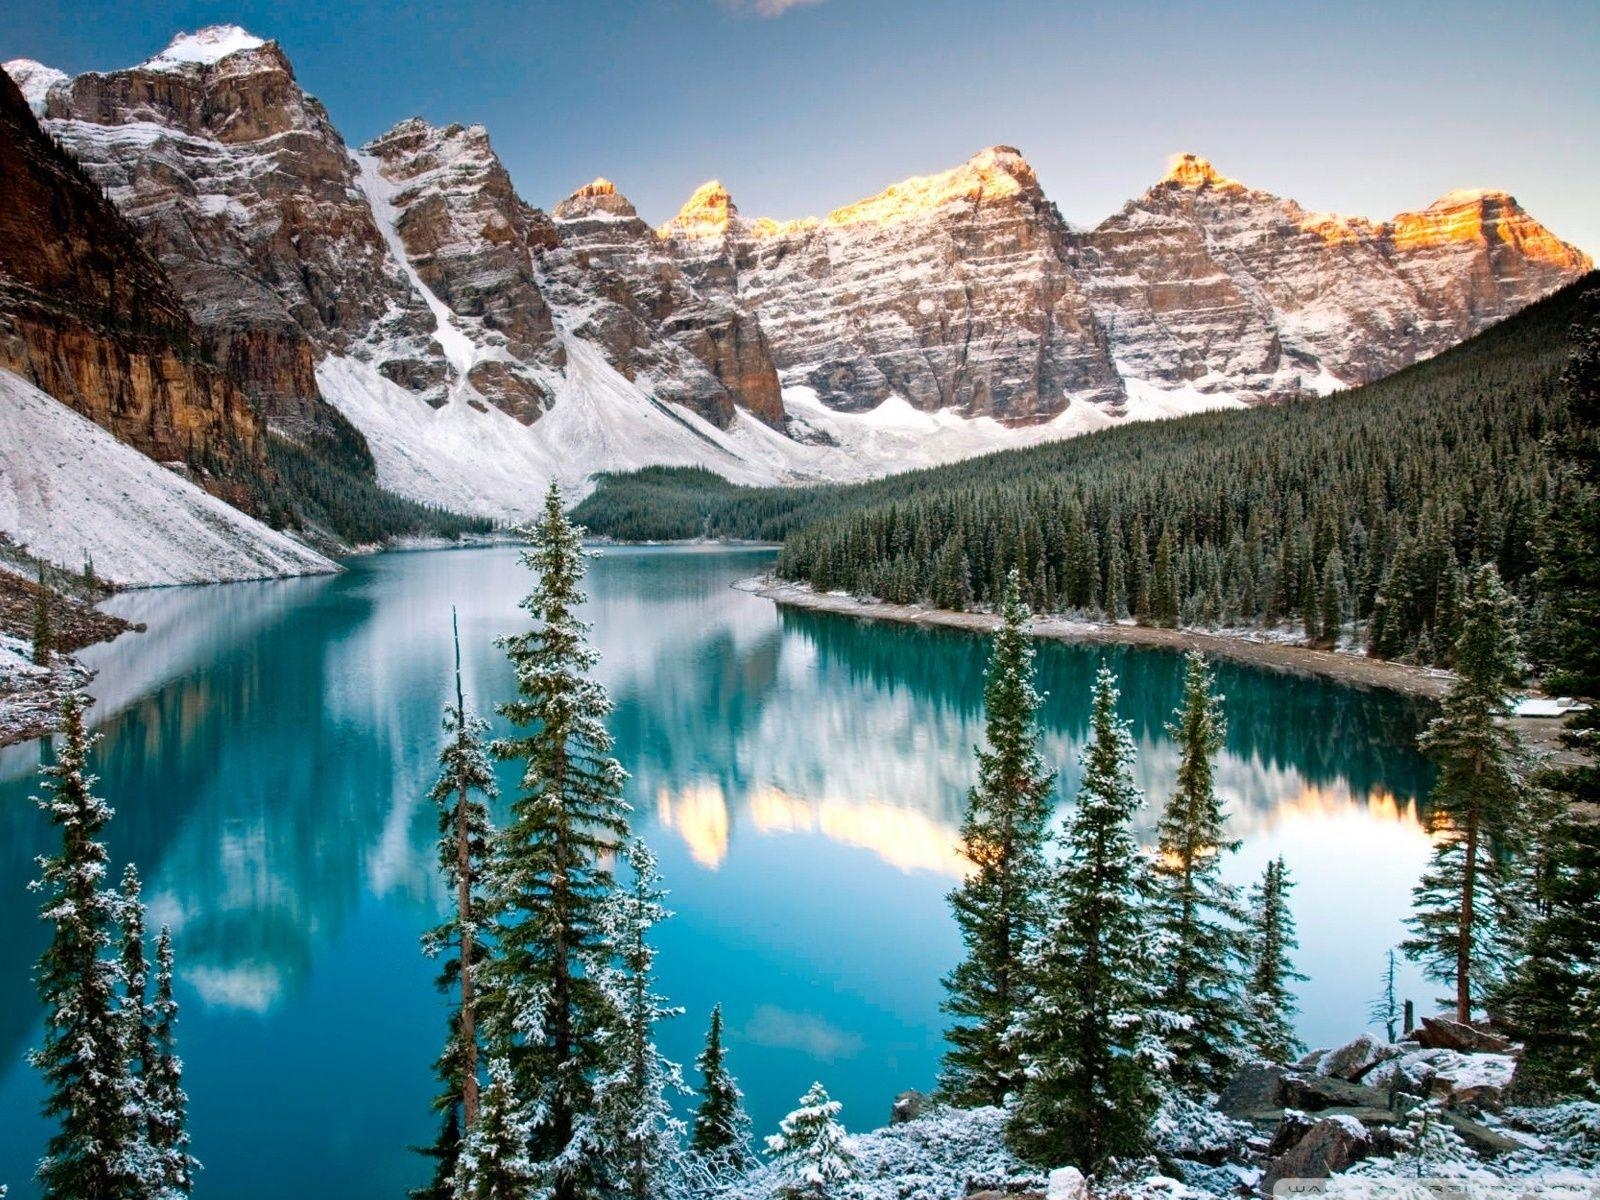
(800,107)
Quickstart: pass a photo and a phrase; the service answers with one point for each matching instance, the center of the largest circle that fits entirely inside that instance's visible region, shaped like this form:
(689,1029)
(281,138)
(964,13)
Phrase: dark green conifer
(1091,1050)
(721,1135)
(1270,1007)
(996,905)
(1474,809)
(1196,915)
(550,876)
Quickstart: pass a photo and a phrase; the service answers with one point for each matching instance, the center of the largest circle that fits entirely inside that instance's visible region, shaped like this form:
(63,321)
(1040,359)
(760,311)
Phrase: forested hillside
(1359,511)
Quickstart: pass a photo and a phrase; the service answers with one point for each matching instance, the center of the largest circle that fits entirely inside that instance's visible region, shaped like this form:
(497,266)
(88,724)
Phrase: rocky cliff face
(87,315)
(1203,282)
(244,191)
(949,290)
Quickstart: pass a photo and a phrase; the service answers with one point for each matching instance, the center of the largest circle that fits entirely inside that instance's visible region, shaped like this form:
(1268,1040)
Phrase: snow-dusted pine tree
(721,1136)
(1270,1008)
(811,1148)
(1090,1050)
(137,1036)
(168,1107)
(633,1112)
(1196,915)
(549,878)
(465,783)
(494,1163)
(1474,808)
(83,1058)
(996,905)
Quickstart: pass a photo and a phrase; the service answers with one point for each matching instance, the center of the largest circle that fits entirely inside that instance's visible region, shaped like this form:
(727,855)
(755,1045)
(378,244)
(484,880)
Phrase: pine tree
(137,1037)
(1196,915)
(810,1147)
(1333,599)
(632,1104)
(43,639)
(1385,1010)
(466,781)
(721,1135)
(1474,808)
(1089,1046)
(494,1163)
(1164,582)
(550,882)
(1549,1000)
(83,1059)
(168,1107)
(1269,999)
(1002,837)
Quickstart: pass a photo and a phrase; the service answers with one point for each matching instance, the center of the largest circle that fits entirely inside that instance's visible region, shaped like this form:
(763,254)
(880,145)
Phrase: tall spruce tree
(1091,1050)
(1270,1007)
(810,1147)
(549,875)
(1474,808)
(996,905)
(465,784)
(1196,915)
(168,1106)
(83,1059)
(632,1096)
(137,1037)
(721,1134)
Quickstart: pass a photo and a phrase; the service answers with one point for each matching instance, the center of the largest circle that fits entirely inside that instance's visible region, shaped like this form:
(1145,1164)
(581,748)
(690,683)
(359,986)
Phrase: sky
(800,106)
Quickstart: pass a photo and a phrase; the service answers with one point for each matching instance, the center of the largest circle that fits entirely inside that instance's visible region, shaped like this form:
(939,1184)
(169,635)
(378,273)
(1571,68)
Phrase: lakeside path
(1354,670)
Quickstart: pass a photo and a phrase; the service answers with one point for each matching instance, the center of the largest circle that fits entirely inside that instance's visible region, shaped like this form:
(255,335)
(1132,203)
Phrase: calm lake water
(268,748)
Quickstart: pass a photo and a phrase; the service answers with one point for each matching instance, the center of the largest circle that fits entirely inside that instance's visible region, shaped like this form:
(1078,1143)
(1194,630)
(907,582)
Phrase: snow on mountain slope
(70,492)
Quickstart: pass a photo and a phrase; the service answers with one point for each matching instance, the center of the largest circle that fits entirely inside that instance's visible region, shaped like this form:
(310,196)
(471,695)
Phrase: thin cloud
(766,9)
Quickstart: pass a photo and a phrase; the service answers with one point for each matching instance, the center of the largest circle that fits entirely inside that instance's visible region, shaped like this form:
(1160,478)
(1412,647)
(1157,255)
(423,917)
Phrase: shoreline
(1352,670)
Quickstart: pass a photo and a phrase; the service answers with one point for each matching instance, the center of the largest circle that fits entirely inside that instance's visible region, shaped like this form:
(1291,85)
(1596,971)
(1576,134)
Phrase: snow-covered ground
(70,492)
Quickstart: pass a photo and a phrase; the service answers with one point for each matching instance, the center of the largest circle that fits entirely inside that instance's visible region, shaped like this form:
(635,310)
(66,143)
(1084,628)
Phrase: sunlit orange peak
(1190,170)
(990,174)
(600,187)
(705,214)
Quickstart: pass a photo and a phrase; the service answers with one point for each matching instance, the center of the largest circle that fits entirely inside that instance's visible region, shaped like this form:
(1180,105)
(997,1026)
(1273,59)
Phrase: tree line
(1356,518)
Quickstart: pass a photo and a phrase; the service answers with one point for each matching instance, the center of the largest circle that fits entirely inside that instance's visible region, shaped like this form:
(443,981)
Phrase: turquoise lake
(268,748)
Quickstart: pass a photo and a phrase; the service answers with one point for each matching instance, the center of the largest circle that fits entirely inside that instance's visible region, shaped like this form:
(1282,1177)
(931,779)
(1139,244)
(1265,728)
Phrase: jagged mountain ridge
(482,345)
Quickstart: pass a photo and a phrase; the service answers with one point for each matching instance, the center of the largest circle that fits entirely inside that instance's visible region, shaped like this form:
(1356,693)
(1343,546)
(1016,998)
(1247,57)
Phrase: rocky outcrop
(244,191)
(697,346)
(950,290)
(1206,283)
(88,316)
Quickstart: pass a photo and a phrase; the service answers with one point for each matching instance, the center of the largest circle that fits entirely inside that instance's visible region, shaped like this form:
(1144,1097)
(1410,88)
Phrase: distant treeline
(1355,514)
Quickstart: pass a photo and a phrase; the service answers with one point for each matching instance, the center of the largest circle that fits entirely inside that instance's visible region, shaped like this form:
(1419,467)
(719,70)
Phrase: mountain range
(209,262)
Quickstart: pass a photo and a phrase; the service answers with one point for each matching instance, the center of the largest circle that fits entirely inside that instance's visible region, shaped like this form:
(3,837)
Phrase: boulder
(1315,1093)
(1354,1059)
(1255,1090)
(908,1106)
(1482,1138)
(1294,1126)
(1331,1145)
(1441,1033)
(1474,1082)
(1067,1183)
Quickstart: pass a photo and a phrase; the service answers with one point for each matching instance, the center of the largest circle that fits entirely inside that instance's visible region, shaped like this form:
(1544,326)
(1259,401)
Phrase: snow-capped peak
(34,80)
(204,47)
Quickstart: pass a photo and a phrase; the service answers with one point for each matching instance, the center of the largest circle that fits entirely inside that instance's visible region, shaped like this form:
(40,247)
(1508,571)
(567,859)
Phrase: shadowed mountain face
(470,335)
(87,314)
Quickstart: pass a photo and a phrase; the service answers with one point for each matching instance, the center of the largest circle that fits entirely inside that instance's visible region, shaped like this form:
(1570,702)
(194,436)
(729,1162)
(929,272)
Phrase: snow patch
(35,81)
(203,47)
(70,492)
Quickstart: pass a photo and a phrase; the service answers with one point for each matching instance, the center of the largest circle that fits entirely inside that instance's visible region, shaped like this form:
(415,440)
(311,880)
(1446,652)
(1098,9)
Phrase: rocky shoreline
(1240,645)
